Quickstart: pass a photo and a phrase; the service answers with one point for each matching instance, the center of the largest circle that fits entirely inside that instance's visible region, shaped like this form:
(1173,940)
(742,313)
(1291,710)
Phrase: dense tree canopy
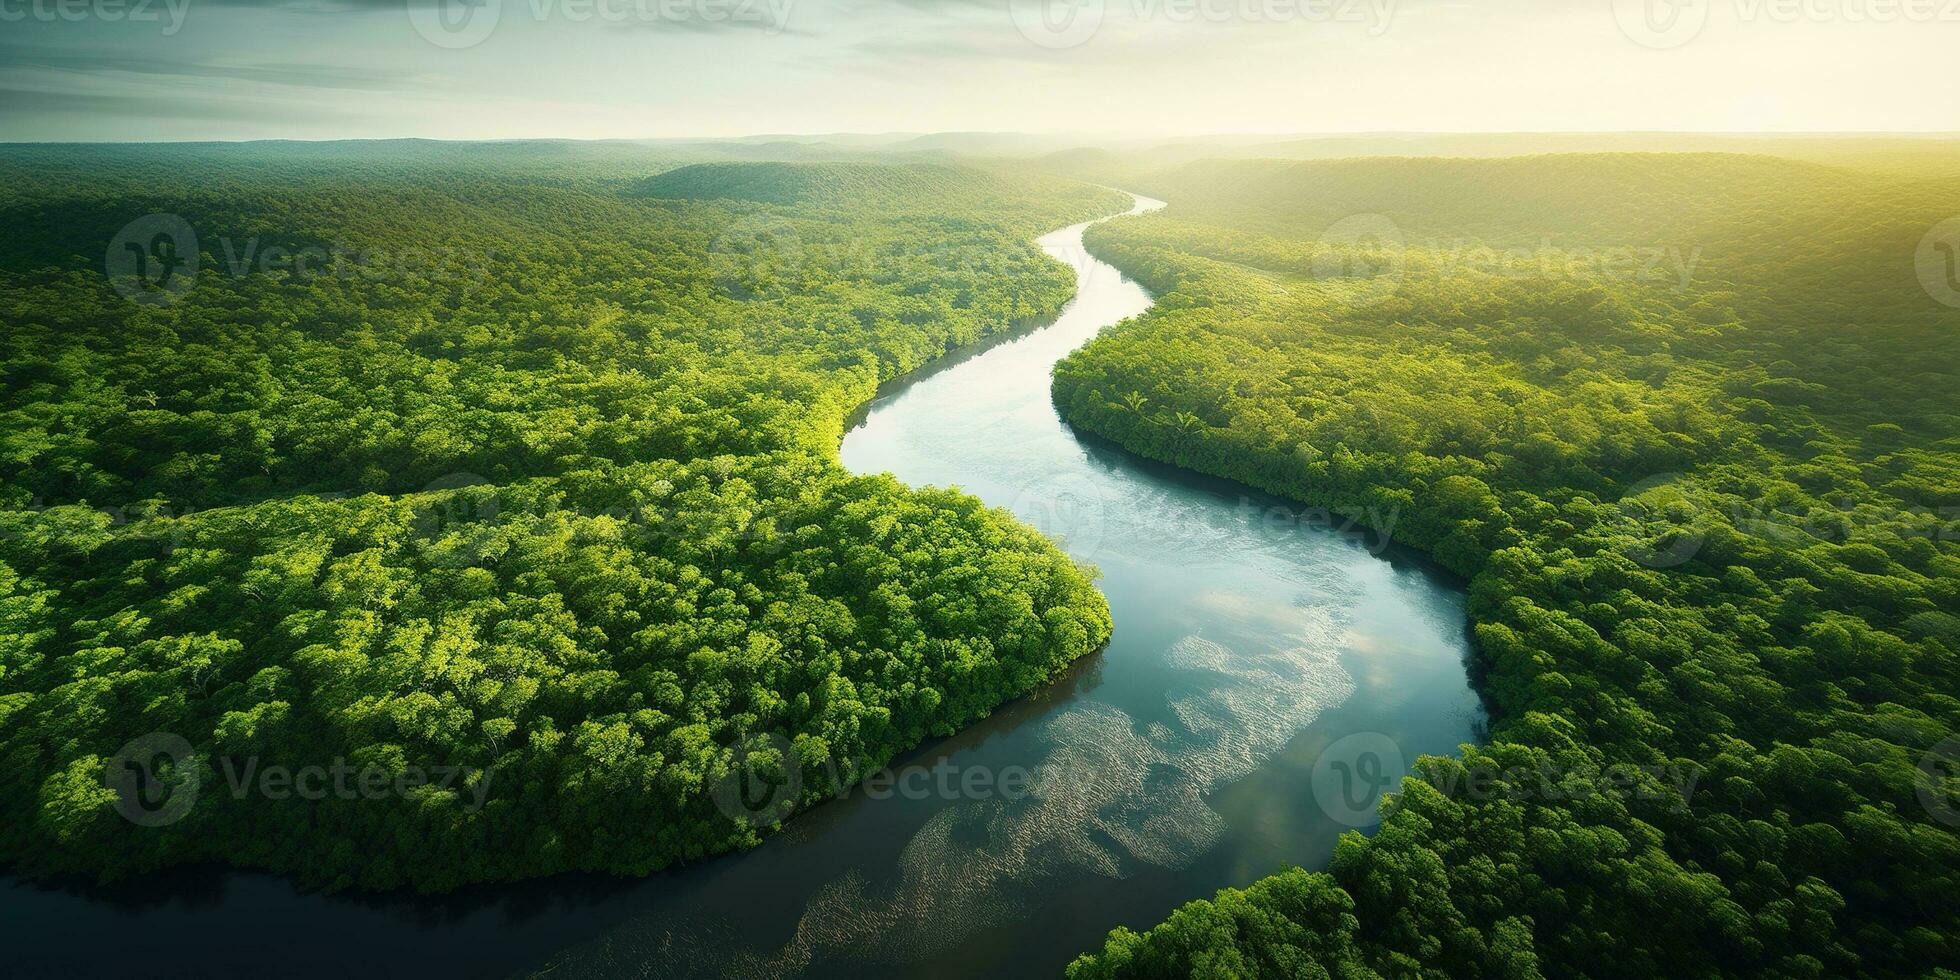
(521,472)
(1707,508)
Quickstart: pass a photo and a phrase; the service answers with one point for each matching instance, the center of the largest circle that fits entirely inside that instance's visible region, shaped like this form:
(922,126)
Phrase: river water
(1271,669)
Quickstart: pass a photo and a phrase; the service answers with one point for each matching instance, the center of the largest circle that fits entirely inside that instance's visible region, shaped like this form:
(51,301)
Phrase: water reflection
(1250,635)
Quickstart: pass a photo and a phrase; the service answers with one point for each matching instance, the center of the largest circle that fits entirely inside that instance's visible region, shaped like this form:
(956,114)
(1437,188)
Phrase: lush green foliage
(1707,515)
(916,187)
(528,474)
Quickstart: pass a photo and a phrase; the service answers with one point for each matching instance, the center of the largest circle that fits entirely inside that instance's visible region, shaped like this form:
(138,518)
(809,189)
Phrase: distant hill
(1905,154)
(1093,163)
(1743,220)
(1598,198)
(814,183)
(986,144)
(1908,156)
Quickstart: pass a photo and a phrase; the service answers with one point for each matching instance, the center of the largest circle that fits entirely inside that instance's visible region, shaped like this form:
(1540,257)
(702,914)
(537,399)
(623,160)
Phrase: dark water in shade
(1267,672)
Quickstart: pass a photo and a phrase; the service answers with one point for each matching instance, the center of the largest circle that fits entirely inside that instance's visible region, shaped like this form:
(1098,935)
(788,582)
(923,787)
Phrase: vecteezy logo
(756,255)
(1351,775)
(1057,24)
(155,779)
(1362,252)
(1661,24)
(452,519)
(1661,515)
(152,260)
(455,24)
(763,784)
(1939,793)
(1070,507)
(1938,262)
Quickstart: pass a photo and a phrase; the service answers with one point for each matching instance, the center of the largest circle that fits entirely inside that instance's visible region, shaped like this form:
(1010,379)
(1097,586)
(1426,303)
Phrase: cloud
(299,74)
(733,16)
(18,103)
(696,25)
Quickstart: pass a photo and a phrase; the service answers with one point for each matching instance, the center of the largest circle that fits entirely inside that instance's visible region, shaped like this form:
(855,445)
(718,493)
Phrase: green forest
(517,461)
(507,474)
(1690,427)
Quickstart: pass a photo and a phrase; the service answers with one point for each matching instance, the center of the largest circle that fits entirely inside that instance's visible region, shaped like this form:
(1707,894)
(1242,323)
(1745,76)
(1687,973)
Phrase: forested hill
(1813,259)
(1707,509)
(506,473)
(1900,156)
(831,184)
(173,165)
(513,326)
(1604,198)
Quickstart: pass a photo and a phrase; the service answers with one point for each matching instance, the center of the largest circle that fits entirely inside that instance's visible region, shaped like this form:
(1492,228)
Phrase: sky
(477,69)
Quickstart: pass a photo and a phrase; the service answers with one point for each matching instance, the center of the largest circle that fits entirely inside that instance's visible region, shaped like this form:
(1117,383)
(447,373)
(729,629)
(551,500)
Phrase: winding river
(1270,670)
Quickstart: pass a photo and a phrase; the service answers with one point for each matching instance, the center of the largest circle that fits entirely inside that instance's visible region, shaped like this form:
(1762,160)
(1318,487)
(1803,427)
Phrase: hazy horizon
(156,70)
(1071,140)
